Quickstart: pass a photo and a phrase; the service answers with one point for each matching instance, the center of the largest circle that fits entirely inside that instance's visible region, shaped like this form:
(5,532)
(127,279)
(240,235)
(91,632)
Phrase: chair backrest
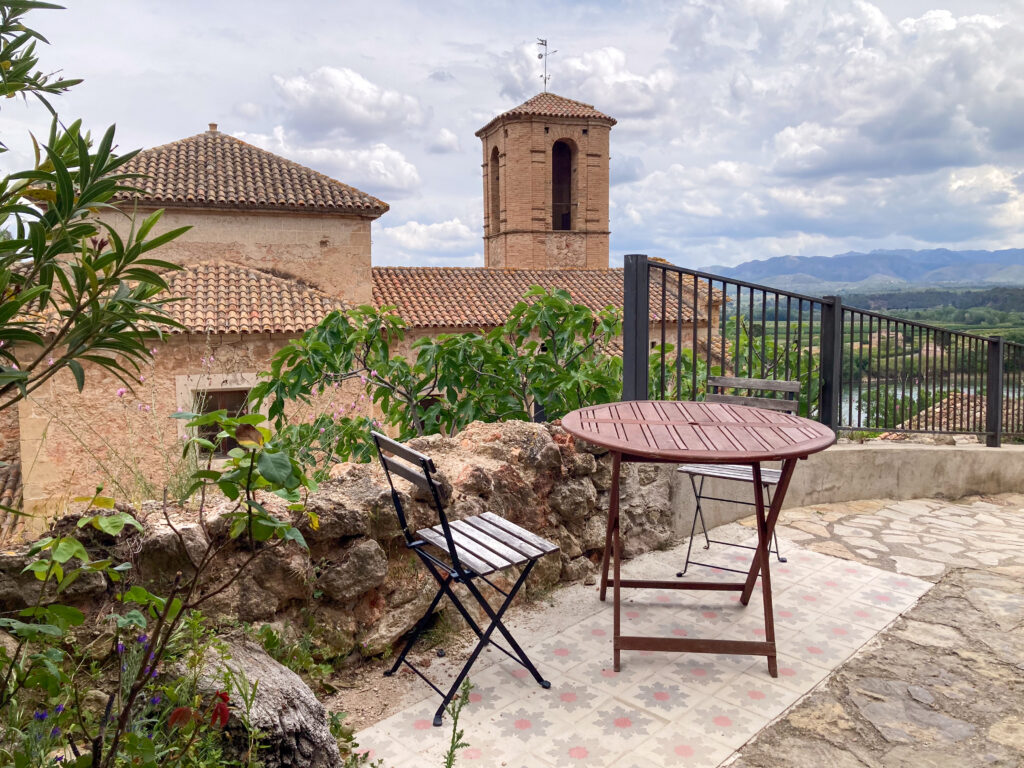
(418,469)
(782,395)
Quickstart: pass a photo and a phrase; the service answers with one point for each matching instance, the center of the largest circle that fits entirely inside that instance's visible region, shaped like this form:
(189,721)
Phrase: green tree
(72,290)
(550,356)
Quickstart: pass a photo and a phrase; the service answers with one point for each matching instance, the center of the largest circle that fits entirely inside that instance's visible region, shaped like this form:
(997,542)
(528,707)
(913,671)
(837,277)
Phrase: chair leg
(698,512)
(496,623)
(775,534)
(417,630)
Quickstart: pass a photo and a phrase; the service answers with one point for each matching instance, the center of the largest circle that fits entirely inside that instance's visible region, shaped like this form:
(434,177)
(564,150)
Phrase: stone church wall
(328,251)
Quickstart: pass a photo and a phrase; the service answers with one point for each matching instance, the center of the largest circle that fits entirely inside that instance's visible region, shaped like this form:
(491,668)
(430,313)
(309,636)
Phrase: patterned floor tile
(797,674)
(725,722)
(760,694)
(620,724)
(685,747)
(635,667)
(899,583)
(579,747)
(882,597)
(663,696)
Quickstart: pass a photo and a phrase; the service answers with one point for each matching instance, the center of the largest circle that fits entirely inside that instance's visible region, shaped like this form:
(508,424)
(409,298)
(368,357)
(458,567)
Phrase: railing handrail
(844,359)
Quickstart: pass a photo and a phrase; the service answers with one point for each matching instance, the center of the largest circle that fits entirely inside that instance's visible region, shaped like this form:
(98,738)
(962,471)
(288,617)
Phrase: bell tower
(545,173)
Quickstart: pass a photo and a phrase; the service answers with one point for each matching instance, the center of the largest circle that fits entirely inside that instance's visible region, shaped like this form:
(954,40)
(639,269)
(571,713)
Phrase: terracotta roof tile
(219,297)
(459,297)
(551,105)
(213,169)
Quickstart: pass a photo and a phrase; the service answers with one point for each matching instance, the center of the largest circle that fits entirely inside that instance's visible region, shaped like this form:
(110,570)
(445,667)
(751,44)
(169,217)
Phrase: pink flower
(322,430)
(14,366)
(152,350)
(49,361)
(121,391)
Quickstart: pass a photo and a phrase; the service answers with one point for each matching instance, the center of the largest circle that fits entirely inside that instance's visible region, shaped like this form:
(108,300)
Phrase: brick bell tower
(545,175)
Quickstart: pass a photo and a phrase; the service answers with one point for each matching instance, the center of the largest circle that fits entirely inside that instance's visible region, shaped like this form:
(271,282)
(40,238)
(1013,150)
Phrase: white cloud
(451,235)
(444,141)
(339,101)
(377,169)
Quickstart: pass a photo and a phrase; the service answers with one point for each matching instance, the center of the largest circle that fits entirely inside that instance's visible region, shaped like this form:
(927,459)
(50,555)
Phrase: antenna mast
(544,57)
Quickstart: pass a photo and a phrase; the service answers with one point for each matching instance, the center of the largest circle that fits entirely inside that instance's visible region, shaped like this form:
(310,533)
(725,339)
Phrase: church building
(274,247)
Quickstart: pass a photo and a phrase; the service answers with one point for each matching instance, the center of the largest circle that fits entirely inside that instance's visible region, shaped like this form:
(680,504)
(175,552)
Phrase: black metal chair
(472,548)
(776,395)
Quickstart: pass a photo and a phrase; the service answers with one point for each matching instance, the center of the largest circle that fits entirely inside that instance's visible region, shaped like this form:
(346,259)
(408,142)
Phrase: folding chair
(768,397)
(473,548)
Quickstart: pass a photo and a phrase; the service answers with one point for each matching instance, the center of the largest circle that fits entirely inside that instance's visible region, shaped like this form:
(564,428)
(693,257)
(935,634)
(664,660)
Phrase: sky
(746,128)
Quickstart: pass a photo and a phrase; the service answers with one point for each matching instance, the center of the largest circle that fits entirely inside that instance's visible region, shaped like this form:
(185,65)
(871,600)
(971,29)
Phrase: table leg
(773,515)
(616,595)
(763,545)
(613,520)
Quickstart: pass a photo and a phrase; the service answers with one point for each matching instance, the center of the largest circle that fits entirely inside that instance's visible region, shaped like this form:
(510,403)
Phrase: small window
(234,401)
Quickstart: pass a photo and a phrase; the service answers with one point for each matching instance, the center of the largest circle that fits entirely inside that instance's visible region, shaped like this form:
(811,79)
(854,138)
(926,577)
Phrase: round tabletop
(706,433)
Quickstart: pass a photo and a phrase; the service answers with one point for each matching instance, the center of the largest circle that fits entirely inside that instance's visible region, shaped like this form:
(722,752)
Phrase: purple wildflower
(58,709)
(155,700)
(120,647)
(55,732)
(143,638)
(40,715)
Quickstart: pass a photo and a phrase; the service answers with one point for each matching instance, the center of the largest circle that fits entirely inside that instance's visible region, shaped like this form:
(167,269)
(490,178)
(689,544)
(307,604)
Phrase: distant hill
(883,270)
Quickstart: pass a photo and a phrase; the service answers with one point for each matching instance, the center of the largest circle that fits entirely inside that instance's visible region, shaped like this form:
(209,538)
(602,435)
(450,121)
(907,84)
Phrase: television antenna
(544,57)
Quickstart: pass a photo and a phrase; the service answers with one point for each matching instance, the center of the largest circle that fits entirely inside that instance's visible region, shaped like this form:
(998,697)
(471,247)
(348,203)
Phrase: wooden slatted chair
(461,552)
(776,395)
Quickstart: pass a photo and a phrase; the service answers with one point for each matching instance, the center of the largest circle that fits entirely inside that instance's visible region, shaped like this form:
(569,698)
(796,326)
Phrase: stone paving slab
(661,709)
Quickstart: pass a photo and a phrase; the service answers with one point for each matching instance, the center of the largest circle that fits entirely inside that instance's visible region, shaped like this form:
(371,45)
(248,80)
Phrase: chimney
(213,128)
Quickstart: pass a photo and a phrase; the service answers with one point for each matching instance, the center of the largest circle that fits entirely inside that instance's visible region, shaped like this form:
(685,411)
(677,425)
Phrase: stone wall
(328,251)
(124,439)
(358,587)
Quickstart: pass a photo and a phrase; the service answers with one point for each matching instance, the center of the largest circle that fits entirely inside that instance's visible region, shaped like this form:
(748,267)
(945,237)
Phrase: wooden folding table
(673,432)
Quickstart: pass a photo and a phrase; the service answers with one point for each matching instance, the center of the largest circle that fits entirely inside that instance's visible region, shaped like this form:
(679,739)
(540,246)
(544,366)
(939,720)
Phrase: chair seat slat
(527,550)
(543,545)
(464,543)
(738,472)
(514,557)
(474,564)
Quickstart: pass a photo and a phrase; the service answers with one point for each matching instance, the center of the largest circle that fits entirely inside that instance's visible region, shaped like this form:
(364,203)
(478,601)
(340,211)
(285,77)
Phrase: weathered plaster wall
(331,252)
(71,442)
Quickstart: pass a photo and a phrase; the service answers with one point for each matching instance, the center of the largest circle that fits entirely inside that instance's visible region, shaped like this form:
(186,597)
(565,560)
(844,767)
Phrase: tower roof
(215,170)
(548,104)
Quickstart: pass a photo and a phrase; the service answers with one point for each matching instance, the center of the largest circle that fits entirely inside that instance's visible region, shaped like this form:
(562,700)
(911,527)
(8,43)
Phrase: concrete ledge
(872,471)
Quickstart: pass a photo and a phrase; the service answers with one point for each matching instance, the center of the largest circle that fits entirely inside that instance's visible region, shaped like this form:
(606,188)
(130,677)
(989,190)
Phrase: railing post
(994,393)
(831,361)
(635,327)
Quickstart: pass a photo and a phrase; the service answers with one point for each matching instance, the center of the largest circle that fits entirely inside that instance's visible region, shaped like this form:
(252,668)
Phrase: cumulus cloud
(444,236)
(377,169)
(333,101)
(444,142)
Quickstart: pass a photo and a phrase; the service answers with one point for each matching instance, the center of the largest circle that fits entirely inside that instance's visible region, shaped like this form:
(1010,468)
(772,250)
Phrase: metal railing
(858,370)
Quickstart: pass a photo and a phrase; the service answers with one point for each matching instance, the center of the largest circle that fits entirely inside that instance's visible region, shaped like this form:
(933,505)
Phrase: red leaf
(180,716)
(219,710)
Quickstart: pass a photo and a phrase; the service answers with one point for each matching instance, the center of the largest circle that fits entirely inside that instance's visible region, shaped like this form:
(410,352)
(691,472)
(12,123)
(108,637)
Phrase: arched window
(563,185)
(495,194)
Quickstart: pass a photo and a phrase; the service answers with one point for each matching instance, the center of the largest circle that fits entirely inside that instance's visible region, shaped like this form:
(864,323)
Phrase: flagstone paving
(698,710)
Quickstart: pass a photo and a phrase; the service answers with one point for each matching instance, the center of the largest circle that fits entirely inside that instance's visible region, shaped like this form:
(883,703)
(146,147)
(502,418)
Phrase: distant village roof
(215,170)
(550,105)
(219,297)
(465,297)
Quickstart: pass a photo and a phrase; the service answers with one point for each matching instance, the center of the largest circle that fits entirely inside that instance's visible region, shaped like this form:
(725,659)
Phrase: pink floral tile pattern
(660,709)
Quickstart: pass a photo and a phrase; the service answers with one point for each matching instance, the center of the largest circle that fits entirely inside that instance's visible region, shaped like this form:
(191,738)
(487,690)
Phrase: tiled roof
(10,496)
(219,297)
(215,170)
(551,105)
(460,297)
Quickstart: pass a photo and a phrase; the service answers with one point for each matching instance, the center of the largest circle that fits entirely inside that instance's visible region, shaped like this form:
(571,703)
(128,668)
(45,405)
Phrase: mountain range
(883,270)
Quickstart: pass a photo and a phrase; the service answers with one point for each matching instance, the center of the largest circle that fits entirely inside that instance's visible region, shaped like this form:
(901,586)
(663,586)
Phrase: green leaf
(68,547)
(275,466)
(79,373)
